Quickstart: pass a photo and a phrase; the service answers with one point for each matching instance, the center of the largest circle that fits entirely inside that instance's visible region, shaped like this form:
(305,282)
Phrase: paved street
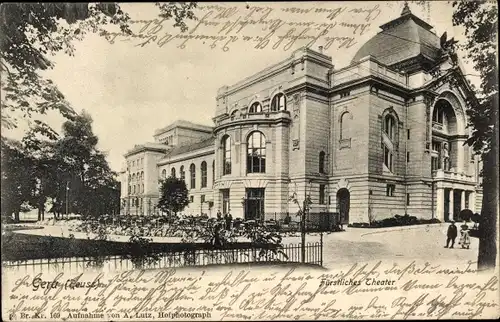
(423,242)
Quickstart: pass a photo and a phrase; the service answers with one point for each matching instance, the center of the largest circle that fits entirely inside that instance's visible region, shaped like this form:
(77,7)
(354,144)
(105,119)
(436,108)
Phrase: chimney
(320,49)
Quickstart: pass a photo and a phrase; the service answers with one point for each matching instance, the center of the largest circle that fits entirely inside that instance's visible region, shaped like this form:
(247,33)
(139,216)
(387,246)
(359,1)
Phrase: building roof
(185,124)
(148,146)
(206,142)
(401,39)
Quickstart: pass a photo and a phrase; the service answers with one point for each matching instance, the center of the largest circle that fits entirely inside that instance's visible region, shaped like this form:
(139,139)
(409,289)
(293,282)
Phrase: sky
(130,91)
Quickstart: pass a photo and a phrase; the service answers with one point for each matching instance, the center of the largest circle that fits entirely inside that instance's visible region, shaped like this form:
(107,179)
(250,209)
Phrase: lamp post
(67,193)
(305,208)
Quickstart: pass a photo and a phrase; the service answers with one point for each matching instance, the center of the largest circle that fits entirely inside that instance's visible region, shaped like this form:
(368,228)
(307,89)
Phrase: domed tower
(405,44)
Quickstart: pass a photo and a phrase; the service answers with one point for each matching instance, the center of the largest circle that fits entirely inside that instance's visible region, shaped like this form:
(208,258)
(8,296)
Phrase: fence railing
(290,253)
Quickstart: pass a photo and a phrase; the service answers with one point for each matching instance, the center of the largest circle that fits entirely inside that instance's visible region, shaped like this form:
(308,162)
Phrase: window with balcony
(255,108)
(256,153)
(226,155)
(203,174)
(322,162)
(192,175)
(279,102)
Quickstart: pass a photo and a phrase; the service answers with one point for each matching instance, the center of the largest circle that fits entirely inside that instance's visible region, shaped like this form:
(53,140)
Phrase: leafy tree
(18,182)
(173,195)
(480,21)
(32,32)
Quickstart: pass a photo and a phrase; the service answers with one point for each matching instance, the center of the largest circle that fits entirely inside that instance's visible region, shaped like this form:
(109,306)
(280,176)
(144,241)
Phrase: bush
(466,214)
(397,220)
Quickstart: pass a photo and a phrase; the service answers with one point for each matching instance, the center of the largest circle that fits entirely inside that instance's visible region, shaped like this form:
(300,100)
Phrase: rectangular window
(407,156)
(321,194)
(407,199)
(202,198)
(408,134)
(191,198)
(225,200)
(435,164)
(389,192)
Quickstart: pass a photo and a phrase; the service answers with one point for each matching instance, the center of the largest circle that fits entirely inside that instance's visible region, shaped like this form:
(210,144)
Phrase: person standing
(451,235)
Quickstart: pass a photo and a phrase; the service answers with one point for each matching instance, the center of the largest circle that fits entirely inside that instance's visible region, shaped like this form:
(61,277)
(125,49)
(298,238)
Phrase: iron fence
(290,253)
(315,221)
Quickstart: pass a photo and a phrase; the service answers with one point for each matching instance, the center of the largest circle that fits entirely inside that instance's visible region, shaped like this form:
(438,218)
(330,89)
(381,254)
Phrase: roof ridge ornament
(406,9)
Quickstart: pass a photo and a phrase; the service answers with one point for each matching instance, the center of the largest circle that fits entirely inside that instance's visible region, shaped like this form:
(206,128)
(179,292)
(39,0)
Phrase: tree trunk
(489,212)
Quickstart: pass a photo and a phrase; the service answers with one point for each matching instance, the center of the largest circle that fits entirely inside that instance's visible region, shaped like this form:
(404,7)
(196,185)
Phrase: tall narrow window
(203,174)
(255,108)
(407,199)
(345,126)
(213,172)
(389,126)
(279,102)
(438,114)
(192,175)
(226,150)
(388,158)
(407,156)
(389,192)
(322,162)
(408,134)
(322,194)
(183,173)
(164,174)
(172,172)
(256,153)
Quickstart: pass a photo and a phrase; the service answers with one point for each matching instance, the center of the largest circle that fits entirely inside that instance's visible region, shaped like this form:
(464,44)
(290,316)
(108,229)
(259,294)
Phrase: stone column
(462,200)
(472,201)
(439,207)
(451,205)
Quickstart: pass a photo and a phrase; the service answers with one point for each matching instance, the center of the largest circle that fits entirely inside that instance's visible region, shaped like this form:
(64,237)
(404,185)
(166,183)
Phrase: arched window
(345,126)
(438,114)
(183,173)
(226,156)
(389,126)
(164,174)
(133,177)
(279,102)
(255,108)
(322,162)
(192,175)
(129,189)
(203,174)
(142,188)
(172,172)
(133,189)
(213,172)
(256,153)
(142,175)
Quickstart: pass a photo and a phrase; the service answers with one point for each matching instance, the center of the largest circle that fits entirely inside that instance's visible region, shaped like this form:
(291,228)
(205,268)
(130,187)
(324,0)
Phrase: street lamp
(67,192)
(305,208)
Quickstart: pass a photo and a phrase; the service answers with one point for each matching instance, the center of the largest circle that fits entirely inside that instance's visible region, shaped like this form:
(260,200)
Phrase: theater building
(382,136)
